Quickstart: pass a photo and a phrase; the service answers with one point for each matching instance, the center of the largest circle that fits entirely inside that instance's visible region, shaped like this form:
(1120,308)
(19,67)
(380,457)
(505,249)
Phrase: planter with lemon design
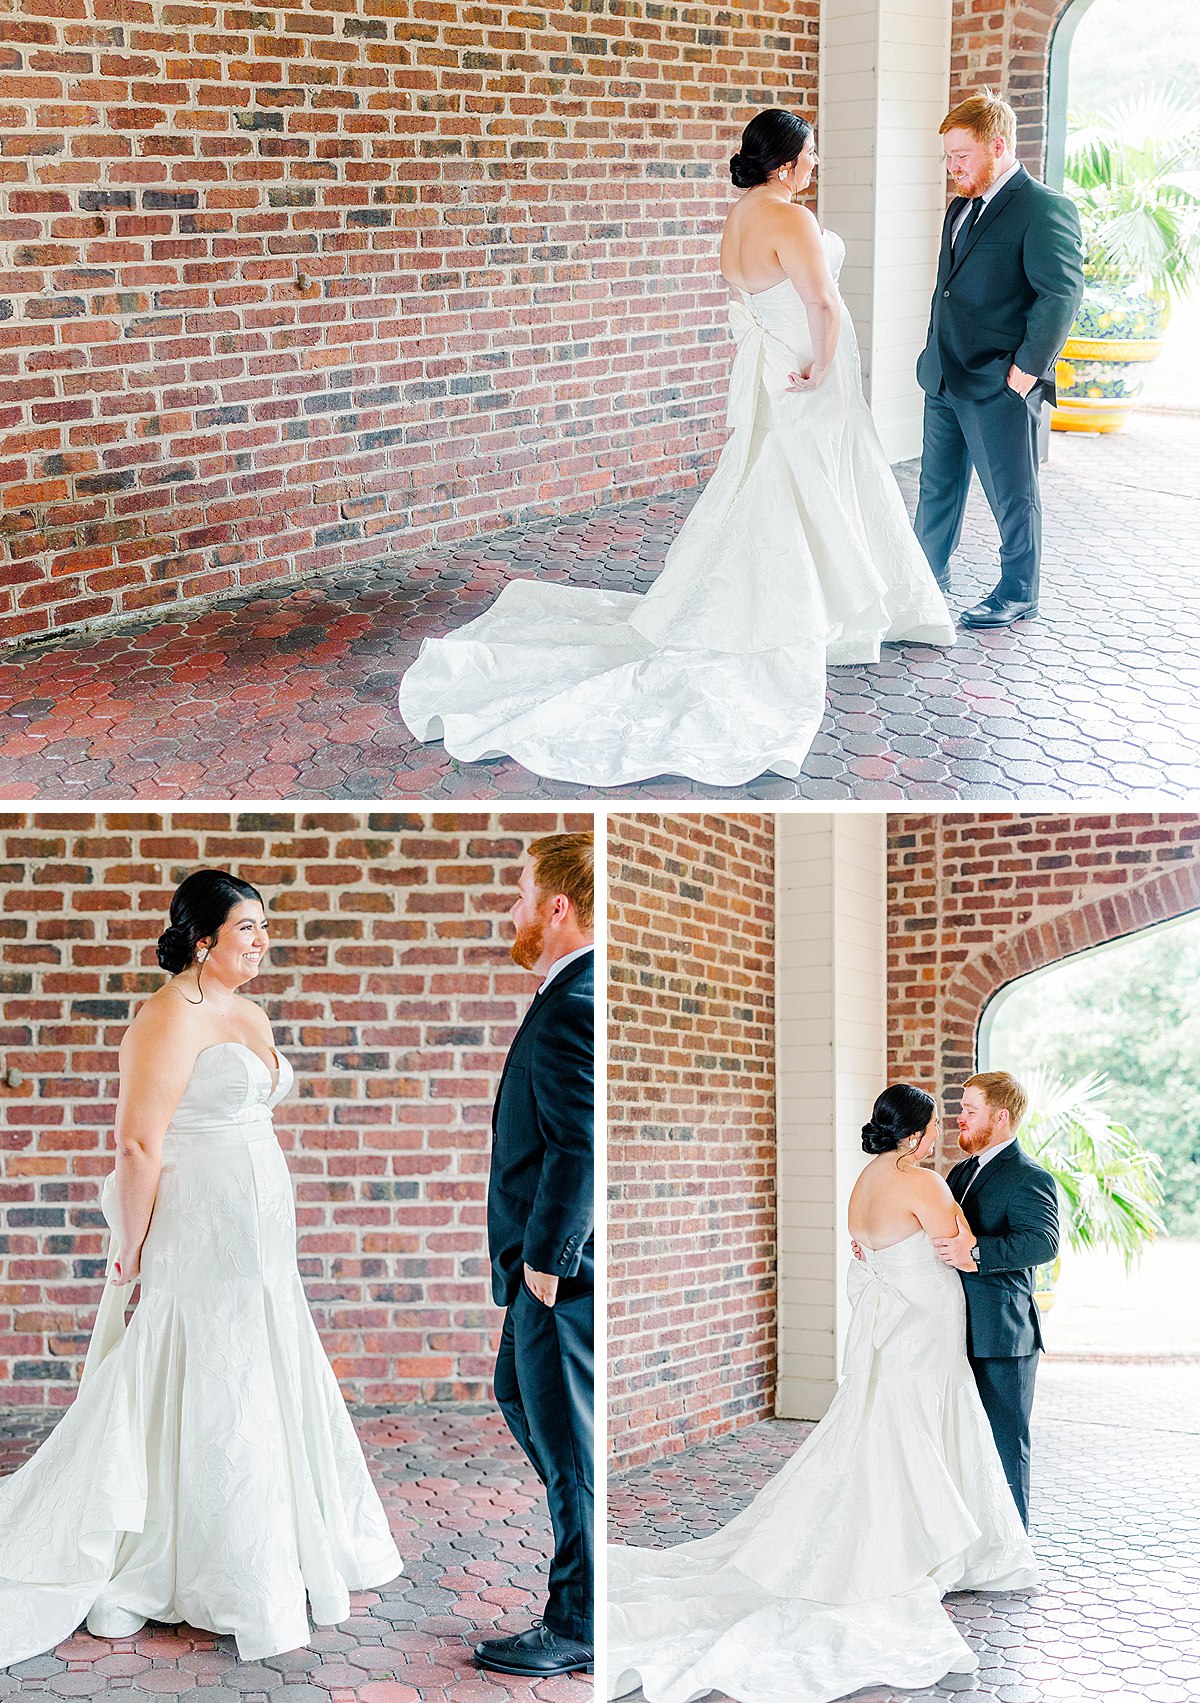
(1100,373)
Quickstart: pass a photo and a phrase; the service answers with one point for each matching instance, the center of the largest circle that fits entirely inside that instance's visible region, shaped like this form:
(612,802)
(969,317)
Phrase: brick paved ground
(1116,1527)
(291,693)
(470,1522)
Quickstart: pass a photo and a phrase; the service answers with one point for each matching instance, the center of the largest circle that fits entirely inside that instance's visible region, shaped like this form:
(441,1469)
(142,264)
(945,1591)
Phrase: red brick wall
(390,989)
(691,1155)
(295,286)
(975,901)
(1006,46)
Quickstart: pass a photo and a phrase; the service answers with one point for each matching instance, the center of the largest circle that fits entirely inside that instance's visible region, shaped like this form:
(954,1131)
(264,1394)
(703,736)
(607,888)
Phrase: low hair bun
(900,1112)
(744,172)
(772,138)
(874,1139)
(174,953)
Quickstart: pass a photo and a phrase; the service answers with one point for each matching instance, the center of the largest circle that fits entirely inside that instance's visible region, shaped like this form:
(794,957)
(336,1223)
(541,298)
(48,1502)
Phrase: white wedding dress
(832,1577)
(208,1470)
(797,554)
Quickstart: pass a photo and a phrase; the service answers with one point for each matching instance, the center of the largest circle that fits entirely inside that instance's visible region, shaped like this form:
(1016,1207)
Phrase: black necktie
(970,1171)
(968,223)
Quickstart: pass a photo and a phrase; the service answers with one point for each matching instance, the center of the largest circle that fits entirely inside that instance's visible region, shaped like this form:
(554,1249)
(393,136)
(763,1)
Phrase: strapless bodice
(782,296)
(228,1100)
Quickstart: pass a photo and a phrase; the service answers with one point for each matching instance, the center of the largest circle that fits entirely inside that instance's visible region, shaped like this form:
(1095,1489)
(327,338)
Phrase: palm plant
(1131,171)
(1109,1184)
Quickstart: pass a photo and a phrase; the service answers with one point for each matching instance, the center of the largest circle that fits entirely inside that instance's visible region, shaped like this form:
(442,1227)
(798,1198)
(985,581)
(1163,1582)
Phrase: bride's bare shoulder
(928,1184)
(159,1019)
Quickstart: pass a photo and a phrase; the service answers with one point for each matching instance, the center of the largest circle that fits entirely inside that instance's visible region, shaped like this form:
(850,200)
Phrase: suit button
(945,293)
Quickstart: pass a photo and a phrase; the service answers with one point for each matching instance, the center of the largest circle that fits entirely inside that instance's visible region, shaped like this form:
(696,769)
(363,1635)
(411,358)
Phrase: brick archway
(1009,49)
(1096,922)
(976,900)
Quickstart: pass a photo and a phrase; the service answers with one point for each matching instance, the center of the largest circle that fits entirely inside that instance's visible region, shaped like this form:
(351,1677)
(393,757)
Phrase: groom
(540,1205)
(1009,280)
(1011,1207)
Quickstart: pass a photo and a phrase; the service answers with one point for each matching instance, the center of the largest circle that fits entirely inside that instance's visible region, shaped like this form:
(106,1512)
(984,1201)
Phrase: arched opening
(1127,1010)
(1058,89)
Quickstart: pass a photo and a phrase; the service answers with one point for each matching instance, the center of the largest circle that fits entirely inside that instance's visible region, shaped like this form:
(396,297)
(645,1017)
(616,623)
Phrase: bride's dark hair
(198,908)
(900,1112)
(772,139)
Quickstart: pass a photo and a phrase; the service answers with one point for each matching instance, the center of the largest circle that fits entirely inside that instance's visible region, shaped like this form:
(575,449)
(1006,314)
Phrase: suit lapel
(946,256)
(537,1004)
(988,216)
(997,1168)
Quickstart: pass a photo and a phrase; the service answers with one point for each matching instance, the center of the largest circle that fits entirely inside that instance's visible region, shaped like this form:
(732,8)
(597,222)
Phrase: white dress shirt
(561,964)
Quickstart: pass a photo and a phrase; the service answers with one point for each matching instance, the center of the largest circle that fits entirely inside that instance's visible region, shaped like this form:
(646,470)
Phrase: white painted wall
(831,1058)
(884,84)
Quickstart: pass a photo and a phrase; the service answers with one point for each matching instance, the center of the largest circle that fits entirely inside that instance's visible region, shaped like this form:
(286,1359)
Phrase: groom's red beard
(981,183)
(973,1142)
(526,949)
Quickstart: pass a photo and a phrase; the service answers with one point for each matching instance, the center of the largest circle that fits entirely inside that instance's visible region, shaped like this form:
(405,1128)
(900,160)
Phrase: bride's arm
(155,1065)
(935,1207)
(801,253)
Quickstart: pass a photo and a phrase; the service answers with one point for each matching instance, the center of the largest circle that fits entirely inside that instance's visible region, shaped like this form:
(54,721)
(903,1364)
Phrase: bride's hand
(808,378)
(126,1267)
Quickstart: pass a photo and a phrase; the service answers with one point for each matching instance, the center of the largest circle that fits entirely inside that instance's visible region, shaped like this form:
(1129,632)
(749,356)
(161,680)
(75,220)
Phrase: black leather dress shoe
(996,611)
(537,1653)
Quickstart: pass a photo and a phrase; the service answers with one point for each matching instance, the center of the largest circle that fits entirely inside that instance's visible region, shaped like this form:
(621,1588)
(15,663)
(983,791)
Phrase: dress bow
(877,1308)
(762,360)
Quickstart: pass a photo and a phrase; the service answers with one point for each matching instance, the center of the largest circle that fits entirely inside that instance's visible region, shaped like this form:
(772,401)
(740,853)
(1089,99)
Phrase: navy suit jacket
(1012,1207)
(1006,294)
(540,1191)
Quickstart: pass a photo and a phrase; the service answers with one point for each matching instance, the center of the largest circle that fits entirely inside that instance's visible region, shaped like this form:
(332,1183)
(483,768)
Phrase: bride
(832,1577)
(207,1471)
(798,554)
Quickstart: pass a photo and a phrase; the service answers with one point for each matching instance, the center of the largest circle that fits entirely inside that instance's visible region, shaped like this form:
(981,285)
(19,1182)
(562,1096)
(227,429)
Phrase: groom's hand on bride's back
(855,1249)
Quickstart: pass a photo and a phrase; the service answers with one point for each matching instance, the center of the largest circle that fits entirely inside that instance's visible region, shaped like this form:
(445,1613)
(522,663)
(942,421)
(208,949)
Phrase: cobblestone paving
(291,692)
(1116,1527)
(470,1521)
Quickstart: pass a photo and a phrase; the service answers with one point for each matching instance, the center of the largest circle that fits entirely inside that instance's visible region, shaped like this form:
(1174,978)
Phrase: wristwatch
(975,1254)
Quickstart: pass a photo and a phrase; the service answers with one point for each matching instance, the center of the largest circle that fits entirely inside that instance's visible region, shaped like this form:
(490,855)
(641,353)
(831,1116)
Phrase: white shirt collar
(994,1152)
(995,190)
(561,964)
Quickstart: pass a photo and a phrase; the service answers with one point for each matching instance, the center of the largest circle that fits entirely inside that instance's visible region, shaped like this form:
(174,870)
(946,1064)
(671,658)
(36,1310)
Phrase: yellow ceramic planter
(1103,366)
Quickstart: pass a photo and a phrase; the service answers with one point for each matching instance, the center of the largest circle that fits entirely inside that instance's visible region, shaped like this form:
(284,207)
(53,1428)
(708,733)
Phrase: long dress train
(208,1470)
(832,1577)
(797,554)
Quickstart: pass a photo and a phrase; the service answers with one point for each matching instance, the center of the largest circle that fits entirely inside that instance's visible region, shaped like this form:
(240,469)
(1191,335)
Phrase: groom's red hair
(1002,1093)
(562,863)
(986,116)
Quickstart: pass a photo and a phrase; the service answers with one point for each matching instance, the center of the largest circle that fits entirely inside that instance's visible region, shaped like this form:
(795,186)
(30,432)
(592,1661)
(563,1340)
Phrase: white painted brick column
(831,1059)
(884,87)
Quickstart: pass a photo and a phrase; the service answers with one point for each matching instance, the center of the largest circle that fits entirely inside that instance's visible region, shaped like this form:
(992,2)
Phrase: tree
(1132,1011)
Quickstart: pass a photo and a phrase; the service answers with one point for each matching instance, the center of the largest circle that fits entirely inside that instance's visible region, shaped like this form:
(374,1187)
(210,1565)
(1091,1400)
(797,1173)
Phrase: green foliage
(1130,170)
(1108,1183)
(1131,1011)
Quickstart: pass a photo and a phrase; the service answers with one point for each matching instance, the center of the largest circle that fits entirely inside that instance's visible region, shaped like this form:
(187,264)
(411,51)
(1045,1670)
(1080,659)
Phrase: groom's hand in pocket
(543,1285)
(1021,382)
(956,1250)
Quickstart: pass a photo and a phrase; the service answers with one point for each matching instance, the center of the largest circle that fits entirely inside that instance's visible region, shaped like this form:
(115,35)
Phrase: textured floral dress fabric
(798,554)
(832,1577)
(208,1470)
